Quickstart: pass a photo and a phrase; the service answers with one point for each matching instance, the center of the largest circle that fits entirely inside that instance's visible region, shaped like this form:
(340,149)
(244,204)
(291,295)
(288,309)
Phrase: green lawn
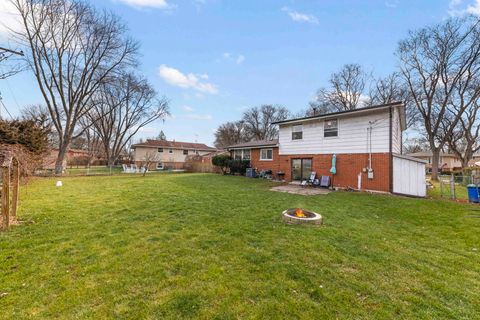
(437,192)
(214,247)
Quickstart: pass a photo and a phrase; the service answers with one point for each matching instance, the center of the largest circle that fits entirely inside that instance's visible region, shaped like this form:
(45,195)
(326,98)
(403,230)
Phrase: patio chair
(325,181)
(312,179)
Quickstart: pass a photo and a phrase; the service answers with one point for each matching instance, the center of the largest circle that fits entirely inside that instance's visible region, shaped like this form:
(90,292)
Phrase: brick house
(367,143)
(167,154)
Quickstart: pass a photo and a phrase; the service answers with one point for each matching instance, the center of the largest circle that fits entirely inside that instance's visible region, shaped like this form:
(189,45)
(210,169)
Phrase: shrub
(222,161)
(26,133)
(238,166)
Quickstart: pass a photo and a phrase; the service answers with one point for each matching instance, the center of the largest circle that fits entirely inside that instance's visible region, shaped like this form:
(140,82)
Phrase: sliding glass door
(301,169)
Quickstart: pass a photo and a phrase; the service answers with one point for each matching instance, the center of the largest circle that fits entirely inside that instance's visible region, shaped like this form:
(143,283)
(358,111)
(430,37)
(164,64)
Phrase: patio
(297,189)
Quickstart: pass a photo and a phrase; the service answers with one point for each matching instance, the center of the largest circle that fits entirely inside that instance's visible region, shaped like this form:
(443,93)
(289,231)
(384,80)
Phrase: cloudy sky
(214,58)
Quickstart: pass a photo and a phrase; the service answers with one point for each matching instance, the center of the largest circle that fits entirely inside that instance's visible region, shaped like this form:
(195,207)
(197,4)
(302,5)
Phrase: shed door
(409,177)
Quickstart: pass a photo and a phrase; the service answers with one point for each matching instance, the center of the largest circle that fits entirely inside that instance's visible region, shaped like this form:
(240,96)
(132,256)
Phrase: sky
(212,59)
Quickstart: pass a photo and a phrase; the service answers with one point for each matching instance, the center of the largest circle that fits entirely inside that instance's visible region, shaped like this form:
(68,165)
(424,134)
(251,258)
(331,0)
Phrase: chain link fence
(454,186)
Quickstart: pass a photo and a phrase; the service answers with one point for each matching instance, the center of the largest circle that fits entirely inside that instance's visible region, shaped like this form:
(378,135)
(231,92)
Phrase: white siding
(352,135)
(409,177)
(396,132)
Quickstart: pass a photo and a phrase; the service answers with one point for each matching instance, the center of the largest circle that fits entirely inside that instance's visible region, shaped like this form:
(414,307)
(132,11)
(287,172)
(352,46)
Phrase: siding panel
(352,136)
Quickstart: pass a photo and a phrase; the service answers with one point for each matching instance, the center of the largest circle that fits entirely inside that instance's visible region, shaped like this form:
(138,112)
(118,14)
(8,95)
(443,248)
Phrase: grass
(437,192)
(184,246)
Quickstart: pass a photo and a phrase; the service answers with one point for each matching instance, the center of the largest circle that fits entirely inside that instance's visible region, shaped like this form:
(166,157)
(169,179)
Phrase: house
(447,163)
(366,142)
(162,154)
(73,157)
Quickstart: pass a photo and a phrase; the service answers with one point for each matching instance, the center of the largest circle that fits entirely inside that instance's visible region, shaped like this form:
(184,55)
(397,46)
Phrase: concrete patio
(297,189)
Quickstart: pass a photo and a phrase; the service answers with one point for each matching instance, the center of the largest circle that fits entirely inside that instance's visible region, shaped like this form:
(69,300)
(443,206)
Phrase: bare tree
(39,114)
(230,133)
(148,159)
(464,138)
(413,145)
(72,51)
(122,109)
(258,121)
(345,92)
(390,89)
(439,64)
(10,62)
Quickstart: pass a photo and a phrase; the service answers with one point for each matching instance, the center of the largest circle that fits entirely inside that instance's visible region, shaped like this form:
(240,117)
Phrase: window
(241,154)
(266,154)
(297,132)
(330,128)
(237,154)
(170,150)
(160,149)
(185,152)
(246,154)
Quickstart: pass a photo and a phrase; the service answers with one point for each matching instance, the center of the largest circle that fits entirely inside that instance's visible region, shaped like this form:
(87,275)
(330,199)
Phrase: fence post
(6,197)
(15,190)
(452,186)
(441,187)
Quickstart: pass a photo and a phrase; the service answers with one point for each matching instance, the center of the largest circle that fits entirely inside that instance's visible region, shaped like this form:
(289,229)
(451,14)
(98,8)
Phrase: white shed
(409,176)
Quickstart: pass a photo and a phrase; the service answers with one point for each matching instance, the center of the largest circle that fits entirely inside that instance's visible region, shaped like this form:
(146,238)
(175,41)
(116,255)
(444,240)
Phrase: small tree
(149,158)
(222,161)
(162,136)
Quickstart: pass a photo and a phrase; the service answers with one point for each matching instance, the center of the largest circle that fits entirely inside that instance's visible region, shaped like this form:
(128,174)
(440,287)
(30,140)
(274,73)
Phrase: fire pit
(298,215)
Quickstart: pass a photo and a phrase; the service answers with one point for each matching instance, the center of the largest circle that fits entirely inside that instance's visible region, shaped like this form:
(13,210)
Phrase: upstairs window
(330,128)
(297,132)
(160,149)
(266,154)
(185,152)
(170,150)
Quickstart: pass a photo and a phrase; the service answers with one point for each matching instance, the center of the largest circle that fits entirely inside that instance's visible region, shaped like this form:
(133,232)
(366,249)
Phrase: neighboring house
(71,158)
(367,143)
(167,154)
(446,163)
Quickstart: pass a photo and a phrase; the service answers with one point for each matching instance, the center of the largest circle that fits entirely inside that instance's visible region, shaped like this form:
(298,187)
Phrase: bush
(222,161)
(238,166)
(26,133)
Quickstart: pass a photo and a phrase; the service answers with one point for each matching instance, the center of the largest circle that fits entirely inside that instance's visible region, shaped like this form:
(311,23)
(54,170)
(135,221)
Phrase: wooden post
(15,190)
(5,197)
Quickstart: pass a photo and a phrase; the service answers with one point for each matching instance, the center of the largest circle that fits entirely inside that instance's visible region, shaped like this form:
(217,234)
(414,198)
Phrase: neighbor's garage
(409,176)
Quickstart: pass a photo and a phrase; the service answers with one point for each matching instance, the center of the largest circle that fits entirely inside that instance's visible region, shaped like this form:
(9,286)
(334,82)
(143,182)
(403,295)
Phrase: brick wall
(348,167)
(260,165)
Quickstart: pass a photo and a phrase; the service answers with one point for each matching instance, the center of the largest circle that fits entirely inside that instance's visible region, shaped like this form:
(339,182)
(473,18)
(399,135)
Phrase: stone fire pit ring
(301,216)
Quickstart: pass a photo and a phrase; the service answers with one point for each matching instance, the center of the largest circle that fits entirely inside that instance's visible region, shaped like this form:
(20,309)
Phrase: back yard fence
(454,186)
(9,188)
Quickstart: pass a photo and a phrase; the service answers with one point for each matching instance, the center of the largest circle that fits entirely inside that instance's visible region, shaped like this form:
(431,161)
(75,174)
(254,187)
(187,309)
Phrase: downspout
(391,150)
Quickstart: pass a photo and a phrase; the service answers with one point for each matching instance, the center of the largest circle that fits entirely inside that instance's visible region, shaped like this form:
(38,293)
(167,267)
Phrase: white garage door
(409,176)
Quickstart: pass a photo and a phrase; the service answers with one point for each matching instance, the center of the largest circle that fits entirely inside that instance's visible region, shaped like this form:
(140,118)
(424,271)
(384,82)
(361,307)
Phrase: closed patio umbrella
(333,170)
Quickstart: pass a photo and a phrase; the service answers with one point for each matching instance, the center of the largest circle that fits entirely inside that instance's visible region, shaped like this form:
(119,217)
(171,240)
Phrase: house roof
(254,144)
(429,154)
(173,145)
(348,112)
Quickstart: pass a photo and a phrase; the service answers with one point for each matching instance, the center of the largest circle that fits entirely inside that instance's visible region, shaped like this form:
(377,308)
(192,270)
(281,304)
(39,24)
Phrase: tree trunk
(62,151)
(435,160)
